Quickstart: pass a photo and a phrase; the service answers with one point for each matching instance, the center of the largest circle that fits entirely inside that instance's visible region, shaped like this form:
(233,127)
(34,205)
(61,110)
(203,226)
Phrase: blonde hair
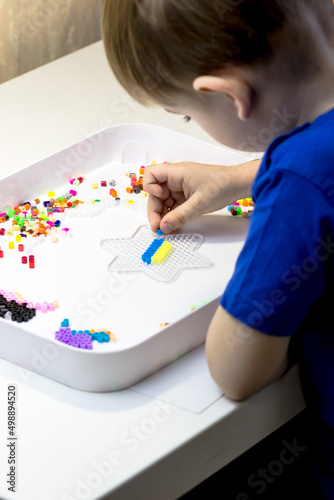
(156,48)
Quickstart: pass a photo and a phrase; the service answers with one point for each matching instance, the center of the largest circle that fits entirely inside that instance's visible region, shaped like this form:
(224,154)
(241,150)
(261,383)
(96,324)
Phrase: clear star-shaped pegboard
(128,255)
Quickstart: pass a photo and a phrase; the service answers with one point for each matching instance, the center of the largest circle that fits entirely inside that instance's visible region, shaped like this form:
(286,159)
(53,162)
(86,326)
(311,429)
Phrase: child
(255,74)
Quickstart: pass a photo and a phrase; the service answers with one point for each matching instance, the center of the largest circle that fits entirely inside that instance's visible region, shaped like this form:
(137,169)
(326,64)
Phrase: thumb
(182,214)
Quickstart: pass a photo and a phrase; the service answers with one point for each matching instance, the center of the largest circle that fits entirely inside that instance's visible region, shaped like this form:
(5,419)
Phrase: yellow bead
(11,245)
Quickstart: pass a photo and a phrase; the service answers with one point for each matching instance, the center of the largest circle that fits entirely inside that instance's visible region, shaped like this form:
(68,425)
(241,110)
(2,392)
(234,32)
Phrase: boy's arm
(243,360)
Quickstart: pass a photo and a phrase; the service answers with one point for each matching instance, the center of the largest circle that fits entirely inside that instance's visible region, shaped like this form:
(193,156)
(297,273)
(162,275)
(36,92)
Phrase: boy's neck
(316,94)
(316,99)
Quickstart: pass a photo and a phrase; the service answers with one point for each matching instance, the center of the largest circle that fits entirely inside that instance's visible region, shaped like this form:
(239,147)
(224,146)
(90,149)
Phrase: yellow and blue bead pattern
(157,252)
(162,253)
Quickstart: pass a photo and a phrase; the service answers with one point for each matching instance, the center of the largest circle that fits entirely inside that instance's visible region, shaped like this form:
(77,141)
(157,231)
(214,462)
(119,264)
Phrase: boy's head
(216,60)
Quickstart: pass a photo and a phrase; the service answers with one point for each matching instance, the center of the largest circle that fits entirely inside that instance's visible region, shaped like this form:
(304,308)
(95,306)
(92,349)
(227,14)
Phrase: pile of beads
(235,208)
(136,182)
(14,309)
(82,339)
(21,309)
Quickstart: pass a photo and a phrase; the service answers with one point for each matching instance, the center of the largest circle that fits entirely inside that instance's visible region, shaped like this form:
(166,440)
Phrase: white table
(130,444)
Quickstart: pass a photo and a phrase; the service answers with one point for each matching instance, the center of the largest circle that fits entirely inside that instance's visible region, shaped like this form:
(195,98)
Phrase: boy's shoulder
(306,152)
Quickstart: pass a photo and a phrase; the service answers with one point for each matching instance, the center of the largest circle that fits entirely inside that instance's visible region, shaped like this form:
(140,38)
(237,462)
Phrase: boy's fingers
(154,176)
(158,190)
(157,178)
(154,212)
(180,215)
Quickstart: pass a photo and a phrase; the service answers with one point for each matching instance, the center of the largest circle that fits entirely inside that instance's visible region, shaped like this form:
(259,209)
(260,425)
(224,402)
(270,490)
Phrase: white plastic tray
(75,271)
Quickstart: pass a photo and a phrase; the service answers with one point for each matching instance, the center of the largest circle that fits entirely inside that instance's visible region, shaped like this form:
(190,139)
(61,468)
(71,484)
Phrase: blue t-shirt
(283,283)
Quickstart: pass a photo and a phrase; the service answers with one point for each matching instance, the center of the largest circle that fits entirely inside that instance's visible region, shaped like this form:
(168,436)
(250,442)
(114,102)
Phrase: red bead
(31,265)
(1,254)
(24,260)
(31,258)
(21,248)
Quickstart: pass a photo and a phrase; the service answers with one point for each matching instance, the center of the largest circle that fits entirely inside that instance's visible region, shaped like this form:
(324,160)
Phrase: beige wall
(34,32)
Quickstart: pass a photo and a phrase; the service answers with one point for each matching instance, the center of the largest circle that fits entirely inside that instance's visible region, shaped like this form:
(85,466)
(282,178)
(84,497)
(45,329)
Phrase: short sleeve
(287,258)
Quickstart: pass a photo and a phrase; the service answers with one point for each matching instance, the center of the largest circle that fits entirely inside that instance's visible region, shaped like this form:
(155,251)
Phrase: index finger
(154,212)
(154,180)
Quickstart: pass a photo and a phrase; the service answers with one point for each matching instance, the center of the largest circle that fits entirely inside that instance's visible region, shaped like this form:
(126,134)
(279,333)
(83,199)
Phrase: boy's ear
(234,87)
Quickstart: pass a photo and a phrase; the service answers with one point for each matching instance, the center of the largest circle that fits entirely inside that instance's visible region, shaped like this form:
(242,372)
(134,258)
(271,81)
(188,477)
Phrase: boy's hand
(181,192)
